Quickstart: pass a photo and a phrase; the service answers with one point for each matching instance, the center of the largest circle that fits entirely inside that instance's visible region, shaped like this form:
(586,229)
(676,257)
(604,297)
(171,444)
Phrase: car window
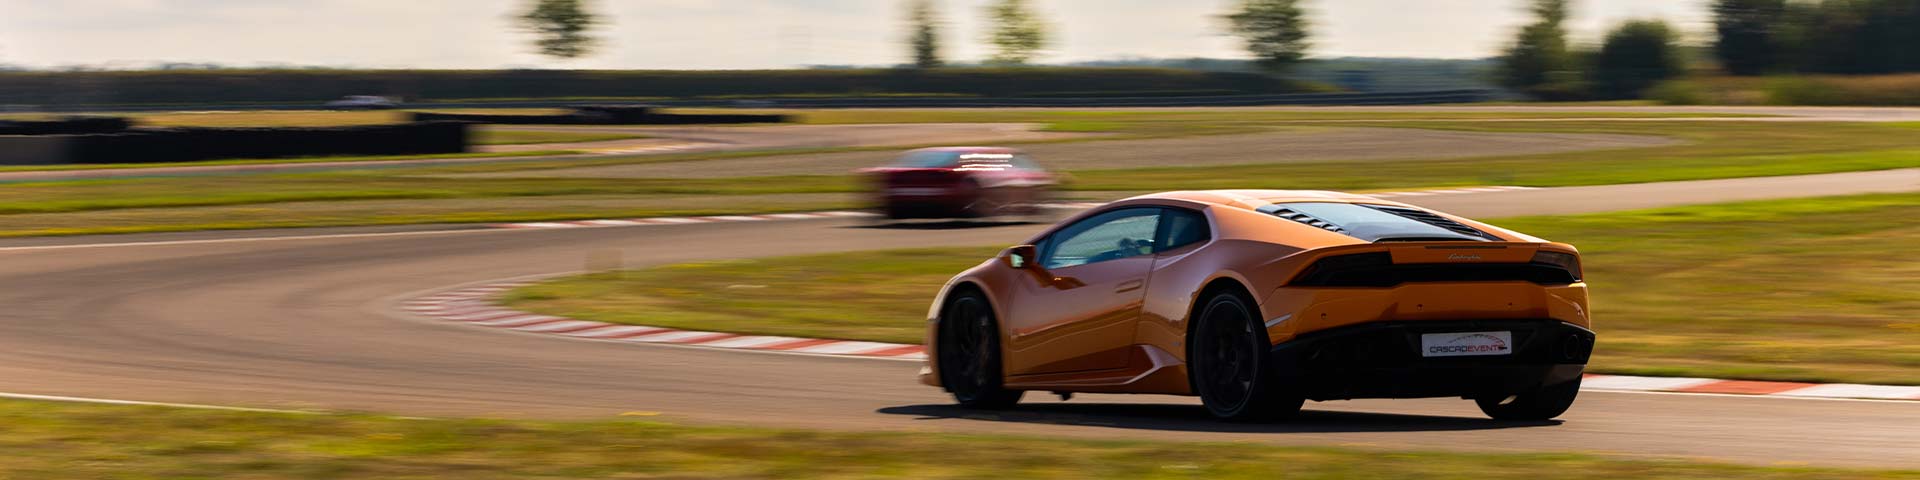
(1109,236)
(928,160)
(1024,162)
(1181,227)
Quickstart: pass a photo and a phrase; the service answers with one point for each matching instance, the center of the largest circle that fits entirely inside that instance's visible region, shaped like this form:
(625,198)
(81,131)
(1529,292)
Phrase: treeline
(1758,37)
(1636,56)
(1752,37)
(304,86)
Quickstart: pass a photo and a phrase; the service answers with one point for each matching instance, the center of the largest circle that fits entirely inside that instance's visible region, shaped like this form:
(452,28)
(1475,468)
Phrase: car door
(1077,311)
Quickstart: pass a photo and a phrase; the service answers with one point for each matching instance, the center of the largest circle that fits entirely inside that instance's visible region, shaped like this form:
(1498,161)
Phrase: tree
(1275,32)
(925,36)
(1748,30)
(1017,34)
(560,28)
(1636,56)
(1538,57)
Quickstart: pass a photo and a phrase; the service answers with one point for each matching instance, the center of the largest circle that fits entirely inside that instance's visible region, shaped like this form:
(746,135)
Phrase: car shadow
(1193,418)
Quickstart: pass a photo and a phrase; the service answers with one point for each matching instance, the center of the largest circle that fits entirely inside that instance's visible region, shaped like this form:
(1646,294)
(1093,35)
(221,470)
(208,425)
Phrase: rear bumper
(1384,360)
(945,206)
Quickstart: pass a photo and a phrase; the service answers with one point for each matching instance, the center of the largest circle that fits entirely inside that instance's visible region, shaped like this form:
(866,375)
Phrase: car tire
(1543,403)
(969,354)
(1229,366)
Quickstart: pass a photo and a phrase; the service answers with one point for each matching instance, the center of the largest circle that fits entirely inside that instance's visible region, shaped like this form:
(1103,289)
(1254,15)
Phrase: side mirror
(1022,257)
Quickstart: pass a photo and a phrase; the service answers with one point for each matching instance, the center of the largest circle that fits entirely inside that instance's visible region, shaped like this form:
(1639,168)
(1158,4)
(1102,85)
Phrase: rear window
(928,160)
(1024,162)
(1373,223)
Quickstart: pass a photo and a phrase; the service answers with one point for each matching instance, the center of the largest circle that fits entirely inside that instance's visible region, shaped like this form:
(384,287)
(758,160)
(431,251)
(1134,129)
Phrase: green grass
(1084,126)
(58,441)
(1807,290)
(402,212)
(262,161)
(1712,150)
(1862,90)
(92,195)
(496,136)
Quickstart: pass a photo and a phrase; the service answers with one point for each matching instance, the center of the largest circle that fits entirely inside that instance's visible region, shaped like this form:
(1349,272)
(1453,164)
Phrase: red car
(962,182)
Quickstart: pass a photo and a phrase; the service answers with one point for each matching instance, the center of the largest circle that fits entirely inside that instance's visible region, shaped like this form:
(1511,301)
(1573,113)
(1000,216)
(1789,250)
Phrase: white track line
(613,331)
(847,348)
(108,401)
(1848,390)
(258,239)
(561,325)
(748,342)
(1611,382)
(674,336)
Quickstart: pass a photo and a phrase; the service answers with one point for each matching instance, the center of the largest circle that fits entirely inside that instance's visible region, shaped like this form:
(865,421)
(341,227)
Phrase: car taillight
(1347,270)
(1563,261)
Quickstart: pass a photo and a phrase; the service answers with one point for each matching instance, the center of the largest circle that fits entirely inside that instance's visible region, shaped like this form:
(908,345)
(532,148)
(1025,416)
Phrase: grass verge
(1711,150)
(266,161)
(1798,290)
(53,441)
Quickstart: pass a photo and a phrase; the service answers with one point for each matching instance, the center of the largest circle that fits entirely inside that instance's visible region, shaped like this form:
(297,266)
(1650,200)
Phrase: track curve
(309,323)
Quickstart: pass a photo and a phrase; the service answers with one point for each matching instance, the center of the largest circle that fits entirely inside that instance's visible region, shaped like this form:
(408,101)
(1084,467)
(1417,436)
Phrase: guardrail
(1385,98)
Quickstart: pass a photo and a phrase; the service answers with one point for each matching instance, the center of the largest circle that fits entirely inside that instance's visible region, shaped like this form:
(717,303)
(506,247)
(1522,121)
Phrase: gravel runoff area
(1280,146)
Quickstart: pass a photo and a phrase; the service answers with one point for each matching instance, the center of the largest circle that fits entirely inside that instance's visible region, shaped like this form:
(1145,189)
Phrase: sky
(734,34)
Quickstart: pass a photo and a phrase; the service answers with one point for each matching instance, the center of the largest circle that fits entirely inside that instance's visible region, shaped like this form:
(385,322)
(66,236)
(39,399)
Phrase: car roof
(969,150)
(1255,199)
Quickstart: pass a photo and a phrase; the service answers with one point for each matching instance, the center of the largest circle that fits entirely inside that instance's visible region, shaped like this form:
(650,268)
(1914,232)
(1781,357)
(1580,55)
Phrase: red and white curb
(1621,383)
(636,222)
(477,306)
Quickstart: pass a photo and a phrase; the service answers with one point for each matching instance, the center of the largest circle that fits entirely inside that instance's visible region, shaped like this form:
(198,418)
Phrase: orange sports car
(1258,300)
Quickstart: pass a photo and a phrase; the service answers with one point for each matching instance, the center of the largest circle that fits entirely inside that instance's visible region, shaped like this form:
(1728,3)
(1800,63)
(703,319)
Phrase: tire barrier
(159,145)
(66,126)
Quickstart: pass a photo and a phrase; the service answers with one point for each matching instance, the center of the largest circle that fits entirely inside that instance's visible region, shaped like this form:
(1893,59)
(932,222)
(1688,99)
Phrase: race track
(308,321)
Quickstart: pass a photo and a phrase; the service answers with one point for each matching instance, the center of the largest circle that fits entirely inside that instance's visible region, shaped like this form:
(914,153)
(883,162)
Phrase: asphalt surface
(261,319)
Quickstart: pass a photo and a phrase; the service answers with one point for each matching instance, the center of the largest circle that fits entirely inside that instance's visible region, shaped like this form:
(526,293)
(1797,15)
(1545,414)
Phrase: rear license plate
(1466,344)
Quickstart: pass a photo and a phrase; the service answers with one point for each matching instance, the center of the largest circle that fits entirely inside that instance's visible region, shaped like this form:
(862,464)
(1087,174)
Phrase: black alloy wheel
(969,354)
(1227,353)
